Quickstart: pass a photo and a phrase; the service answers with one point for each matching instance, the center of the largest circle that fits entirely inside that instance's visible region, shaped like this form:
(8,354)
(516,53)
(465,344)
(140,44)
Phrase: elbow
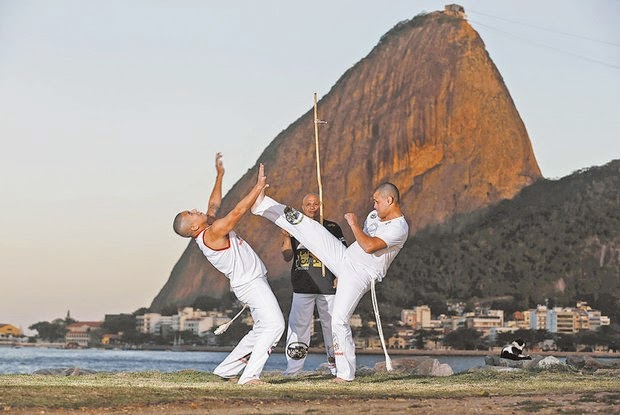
(372,248)
(287,255)
(369,250)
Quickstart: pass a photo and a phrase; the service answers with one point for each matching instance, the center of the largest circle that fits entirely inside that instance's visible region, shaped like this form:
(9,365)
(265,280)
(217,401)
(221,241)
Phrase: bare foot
(255,382)
(339,380)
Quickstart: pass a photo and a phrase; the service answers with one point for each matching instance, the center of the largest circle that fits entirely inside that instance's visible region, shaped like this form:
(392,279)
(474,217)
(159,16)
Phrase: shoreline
(320,350)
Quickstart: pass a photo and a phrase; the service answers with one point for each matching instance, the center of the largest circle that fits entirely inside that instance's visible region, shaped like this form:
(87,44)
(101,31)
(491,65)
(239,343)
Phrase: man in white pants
(384,233)
(234,257)
(313,285)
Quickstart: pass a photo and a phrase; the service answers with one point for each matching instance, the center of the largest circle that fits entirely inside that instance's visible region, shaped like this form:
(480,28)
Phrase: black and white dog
(514,351)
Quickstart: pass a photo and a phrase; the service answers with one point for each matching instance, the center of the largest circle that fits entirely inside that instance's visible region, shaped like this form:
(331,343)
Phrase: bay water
(26,360)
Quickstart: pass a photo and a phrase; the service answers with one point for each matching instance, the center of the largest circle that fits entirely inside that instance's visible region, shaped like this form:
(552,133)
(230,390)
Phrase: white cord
(375,306)
(221,329)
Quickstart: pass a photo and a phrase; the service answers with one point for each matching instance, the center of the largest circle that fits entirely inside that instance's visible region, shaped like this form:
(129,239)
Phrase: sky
(111,113)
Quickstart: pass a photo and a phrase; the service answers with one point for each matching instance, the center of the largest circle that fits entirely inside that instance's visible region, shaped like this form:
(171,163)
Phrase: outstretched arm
(215,200)
(223,226)
(370,244)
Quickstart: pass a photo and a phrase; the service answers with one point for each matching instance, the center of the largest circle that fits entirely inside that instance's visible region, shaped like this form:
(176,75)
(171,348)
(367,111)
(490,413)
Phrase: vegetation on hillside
(556,242)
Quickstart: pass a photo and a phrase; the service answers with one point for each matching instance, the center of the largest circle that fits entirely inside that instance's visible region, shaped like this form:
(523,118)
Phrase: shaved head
(182,226)
(388,189)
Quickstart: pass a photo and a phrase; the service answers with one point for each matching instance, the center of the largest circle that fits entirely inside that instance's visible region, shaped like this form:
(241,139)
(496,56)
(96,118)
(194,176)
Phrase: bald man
(234,257)
(311,287)
(377,243)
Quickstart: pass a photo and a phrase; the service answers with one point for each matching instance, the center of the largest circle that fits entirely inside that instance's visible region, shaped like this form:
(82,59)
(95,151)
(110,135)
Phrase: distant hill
(557,240)
(426,109)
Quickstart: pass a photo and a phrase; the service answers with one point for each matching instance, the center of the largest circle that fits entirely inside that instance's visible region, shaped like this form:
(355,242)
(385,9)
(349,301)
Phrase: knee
(280,325)
(276,325)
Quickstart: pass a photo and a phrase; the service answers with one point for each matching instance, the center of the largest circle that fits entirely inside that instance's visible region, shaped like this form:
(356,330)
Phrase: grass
(152,388)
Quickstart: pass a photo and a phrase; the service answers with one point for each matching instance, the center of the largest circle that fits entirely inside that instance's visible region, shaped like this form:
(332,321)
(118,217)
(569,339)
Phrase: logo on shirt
(373,215)
(372,229)
(293,216)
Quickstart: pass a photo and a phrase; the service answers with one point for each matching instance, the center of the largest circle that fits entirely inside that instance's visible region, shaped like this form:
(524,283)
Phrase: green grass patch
(152,388)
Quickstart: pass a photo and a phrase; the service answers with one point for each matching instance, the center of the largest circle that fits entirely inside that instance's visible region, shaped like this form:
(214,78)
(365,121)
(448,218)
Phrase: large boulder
(589,363)
(548,362)
(491,360)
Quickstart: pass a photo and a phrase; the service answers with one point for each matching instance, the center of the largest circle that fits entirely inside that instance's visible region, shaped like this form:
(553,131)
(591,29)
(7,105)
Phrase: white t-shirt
(393,232)
(238,261)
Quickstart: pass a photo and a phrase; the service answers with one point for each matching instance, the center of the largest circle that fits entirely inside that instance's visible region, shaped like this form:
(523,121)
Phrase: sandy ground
(592,403)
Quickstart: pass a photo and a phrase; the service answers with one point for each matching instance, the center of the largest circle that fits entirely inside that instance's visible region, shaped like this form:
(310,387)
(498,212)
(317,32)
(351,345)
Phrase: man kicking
(234,257)
(312,285)
(383,235)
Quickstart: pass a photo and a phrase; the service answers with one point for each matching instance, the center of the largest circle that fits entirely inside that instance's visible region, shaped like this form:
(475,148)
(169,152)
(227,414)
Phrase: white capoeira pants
(353,280)
(265,334)
(300,324)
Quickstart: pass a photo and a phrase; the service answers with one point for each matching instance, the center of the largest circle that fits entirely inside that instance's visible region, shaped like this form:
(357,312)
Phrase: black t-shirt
(306,274)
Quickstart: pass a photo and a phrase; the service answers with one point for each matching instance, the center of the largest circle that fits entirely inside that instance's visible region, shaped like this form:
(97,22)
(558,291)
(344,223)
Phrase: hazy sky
(111,112)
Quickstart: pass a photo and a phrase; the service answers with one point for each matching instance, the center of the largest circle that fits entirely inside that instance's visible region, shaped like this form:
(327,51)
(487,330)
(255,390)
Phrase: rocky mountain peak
(426,109)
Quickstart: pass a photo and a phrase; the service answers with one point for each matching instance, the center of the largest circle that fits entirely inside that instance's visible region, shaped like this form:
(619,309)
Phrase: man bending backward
(234,257)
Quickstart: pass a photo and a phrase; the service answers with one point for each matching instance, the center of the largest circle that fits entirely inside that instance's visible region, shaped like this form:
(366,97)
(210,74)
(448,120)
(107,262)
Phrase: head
(311,206)
(190,223)
(386,200)
(519,344)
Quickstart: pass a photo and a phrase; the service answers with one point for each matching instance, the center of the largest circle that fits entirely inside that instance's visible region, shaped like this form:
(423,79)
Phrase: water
(29,359)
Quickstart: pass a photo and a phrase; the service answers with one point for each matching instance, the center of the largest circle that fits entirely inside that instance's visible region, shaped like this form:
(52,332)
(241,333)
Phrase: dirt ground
(589,403)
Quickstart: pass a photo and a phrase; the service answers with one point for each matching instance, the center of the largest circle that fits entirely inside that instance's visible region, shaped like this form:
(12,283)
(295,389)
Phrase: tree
(52,332)
(463,339)
(141,311)
(115,323)
(205,302)
(233,335)
(566,343)
(420,338)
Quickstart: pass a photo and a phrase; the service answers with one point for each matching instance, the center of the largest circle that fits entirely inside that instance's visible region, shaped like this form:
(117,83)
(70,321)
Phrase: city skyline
(102,102)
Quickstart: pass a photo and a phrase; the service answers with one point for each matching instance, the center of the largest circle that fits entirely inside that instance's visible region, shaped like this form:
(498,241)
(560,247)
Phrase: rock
(589,363)
(491,360)
(531,364)
(424,366)
(548,362)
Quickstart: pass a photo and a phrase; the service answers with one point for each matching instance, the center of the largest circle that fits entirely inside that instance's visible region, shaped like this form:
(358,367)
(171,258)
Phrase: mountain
(426,109)
(556,241)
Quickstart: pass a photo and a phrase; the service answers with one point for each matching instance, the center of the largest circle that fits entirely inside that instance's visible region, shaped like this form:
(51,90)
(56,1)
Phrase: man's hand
(261,181)
(351,219)
(219,164)
(336,282)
